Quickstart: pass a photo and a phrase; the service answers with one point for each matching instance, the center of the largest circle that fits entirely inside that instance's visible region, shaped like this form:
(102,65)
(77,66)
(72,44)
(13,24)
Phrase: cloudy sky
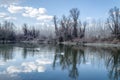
(42,11)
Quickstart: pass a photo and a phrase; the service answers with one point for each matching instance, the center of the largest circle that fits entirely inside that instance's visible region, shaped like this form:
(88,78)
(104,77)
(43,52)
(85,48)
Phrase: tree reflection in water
(113,64)
(33,50)
(6,52)
(69,57)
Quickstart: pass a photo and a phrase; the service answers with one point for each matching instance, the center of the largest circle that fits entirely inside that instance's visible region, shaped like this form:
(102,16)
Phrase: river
(58,62)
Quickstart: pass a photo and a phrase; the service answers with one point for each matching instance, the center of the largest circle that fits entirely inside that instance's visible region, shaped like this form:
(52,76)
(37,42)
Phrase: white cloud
(33,12)
(41,69)
(37,13)
(10,18)
(43,62)
(29,66)
(25,67)
(13,69)
(2,15)
(14,9)
(6,17)
(42,10)
(2,63)
(89,18)
(44,17)
(5,3)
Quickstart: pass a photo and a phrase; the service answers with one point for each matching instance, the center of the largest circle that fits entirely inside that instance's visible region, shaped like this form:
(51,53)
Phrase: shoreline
(92,44)
(102,45)
(99,44)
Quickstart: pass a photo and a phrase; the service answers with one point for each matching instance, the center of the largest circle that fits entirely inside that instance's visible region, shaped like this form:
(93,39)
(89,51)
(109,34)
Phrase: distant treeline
(8,32)
(68,28)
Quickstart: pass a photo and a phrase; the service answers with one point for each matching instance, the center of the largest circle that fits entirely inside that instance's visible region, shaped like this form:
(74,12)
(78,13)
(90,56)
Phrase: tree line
(72,28)
(9,34)
(68,28)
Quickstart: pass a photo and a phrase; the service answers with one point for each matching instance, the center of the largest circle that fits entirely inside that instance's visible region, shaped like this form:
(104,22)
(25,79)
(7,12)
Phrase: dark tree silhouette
(25,30)
(66,28)
(114,22)
(82,30)
(30,34)
(75,15)
(7,32)
(56,28)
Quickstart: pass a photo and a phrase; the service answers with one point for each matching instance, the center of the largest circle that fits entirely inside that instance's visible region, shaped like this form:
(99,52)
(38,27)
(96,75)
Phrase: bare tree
(66,26)
(114,22)
(25,30)
(75,15)
(34,32)
(7,31)
(55,23)
(31,33)
(82,31)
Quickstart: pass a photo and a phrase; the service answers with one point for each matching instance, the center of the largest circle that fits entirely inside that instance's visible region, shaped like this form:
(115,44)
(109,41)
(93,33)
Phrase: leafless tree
(66,27)
(25,29)
(30,33)
(55,23)
(114,22)
(82,30)
(75,15)
(7,32)
(34,32)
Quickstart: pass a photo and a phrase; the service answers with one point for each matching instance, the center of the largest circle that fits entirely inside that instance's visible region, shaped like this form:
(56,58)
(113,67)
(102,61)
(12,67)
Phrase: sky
(35,12)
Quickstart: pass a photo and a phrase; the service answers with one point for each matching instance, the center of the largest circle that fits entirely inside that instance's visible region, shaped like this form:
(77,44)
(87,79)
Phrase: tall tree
(34,32)
(56,27)
(25,30)
(66,25)
(82,29)
(75,15)
(8,33)
(114,22)
(55,23)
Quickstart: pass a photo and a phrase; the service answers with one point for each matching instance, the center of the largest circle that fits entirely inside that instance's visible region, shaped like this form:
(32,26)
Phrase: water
(50,62)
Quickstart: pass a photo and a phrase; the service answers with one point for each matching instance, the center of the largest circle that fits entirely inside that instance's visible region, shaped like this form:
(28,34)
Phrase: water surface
(58,62)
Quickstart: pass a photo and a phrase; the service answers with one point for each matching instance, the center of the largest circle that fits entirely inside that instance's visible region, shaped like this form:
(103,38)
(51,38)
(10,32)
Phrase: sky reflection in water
(48,62)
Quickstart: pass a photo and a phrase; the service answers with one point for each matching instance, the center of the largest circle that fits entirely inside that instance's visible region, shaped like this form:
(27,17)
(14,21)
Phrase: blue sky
(41,11)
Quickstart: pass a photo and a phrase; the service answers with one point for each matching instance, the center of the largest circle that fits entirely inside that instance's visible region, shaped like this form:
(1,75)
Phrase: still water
(58,62)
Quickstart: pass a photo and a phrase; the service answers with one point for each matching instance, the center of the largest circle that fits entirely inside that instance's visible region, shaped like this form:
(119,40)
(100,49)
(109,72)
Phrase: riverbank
(96,44)
(100,44)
